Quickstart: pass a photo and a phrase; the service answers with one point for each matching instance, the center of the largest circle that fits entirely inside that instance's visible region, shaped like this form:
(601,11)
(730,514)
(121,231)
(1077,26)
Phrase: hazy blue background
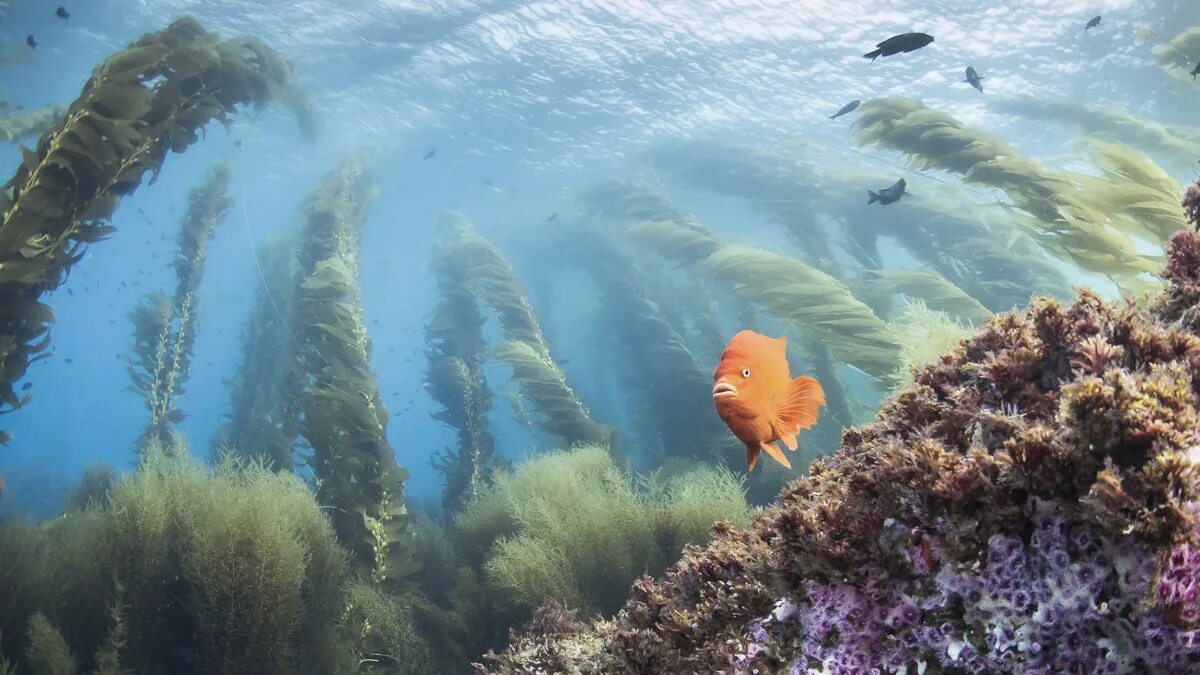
(537,98)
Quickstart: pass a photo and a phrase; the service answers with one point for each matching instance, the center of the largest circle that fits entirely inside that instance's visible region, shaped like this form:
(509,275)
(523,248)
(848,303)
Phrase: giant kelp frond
(1108,122)
(455,379)
(17,127)
(344,416)
(626,202)
(264,418)
(932,289)
(544,384)
(143,101)
(809,300)
(1139,196)
(1180,54)
(681,241)
(1068,224)
(163,359)
(739,170)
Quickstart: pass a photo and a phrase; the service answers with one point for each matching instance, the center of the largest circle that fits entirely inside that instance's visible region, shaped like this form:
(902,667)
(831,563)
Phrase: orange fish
(758,399)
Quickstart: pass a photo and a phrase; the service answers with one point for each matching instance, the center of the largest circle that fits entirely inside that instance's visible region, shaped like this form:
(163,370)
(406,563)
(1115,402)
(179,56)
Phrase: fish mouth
(724,390)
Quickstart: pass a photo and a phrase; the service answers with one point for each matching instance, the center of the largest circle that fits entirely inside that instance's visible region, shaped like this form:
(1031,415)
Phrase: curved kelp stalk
(626,202)
(143,101)
(931,288)
(792,291)
(1069,220)
(1179,144)
(1138,187)
(344,419)
(1180,54)
(493,280)
(165,331)
(14,128)
(455,379)
(264,420)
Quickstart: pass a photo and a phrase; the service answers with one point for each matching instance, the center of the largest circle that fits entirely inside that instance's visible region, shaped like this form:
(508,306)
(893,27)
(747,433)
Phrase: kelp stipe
(454,378)
(148,99)
(345,421)
(165,330)
(264,418)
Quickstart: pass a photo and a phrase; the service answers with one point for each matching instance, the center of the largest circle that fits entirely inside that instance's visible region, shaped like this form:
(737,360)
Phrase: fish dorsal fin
(799,406)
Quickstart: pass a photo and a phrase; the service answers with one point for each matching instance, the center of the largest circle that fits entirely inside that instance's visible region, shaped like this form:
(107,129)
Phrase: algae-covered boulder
(1028,505)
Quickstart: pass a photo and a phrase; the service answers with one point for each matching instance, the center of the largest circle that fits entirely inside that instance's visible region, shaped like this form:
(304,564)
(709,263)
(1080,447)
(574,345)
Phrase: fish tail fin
(874,196)
(776,454)
(834,115)
(751,456)
(873,55)
(802,405)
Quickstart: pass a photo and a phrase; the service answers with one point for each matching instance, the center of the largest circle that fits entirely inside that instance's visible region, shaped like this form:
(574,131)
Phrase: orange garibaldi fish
(758,399)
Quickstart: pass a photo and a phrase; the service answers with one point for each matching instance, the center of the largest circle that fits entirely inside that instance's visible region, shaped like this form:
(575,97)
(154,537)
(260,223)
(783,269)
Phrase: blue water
(525,103)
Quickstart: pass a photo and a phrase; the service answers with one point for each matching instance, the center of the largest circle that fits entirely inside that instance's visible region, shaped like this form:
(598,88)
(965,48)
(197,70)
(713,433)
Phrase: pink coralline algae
(1028,506)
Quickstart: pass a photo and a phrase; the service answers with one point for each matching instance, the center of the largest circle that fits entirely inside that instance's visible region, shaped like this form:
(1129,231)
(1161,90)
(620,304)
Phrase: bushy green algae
(182,569)
(574,527)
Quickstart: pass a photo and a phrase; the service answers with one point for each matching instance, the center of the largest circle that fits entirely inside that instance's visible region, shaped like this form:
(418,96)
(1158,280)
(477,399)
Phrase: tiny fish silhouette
(237,144)
(30,41)
(1092,23)
(759,401)
(69,360)
(1196,70)
(26,386)
(62,13)
(3,485)
(974,79)
(846,109)
(888,194)
(430,154)
(905,42)
(553,217)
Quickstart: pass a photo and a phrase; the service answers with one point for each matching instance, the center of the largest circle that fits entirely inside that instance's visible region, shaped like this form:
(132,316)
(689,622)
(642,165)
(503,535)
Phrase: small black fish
(31,42)
(237,144)
(26,386)
(553,217)
(69,360)
(430,154)
(905,42)
(62,13)
(974,79)
(888,194)
(1196,70)
(1092,22)
(70,292)
(846,109)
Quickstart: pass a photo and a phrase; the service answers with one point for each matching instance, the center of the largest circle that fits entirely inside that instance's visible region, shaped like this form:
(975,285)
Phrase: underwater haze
(454,242)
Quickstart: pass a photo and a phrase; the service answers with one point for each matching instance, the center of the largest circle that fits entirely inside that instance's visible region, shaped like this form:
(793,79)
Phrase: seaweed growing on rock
(143,101)
(1026,506)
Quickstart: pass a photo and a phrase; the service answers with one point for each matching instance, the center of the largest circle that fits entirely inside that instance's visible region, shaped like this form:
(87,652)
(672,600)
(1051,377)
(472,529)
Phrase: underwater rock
(1029,505)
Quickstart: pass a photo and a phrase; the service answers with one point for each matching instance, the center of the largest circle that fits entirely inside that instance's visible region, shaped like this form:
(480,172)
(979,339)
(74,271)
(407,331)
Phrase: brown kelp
(494,282)
(143,101)
(345,421)
(165,330)
(931,288)
(455,379)
(18,127)
(1069,222)
(1179,144)
(264,417)
(1180,54)
(1036,486)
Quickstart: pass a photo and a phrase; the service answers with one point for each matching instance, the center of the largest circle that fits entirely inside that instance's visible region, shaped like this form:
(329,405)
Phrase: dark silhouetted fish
(846,109)
(31,42)
(237,144)
(905,42)
(1196,70)
(26,386)
(888,194)
(553,217)
(62,13)
(430,154)
(1092,22)
(974,79)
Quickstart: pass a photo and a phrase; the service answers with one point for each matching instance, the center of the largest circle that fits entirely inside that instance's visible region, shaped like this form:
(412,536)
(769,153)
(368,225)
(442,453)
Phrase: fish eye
(745,373)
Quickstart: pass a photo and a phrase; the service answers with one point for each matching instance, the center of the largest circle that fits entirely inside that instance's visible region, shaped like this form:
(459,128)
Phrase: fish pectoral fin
(776,454)
(752,452)
(801,405)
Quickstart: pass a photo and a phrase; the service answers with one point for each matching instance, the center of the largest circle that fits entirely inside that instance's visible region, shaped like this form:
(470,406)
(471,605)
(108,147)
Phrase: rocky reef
(1028,505)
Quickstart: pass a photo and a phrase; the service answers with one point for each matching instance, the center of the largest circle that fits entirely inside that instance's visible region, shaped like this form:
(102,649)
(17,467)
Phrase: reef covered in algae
(1028,505)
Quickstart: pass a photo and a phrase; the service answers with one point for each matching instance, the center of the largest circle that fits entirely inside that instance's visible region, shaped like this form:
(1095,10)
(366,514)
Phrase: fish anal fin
(776,454)
(789,440)
(800,406)
(751,456)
